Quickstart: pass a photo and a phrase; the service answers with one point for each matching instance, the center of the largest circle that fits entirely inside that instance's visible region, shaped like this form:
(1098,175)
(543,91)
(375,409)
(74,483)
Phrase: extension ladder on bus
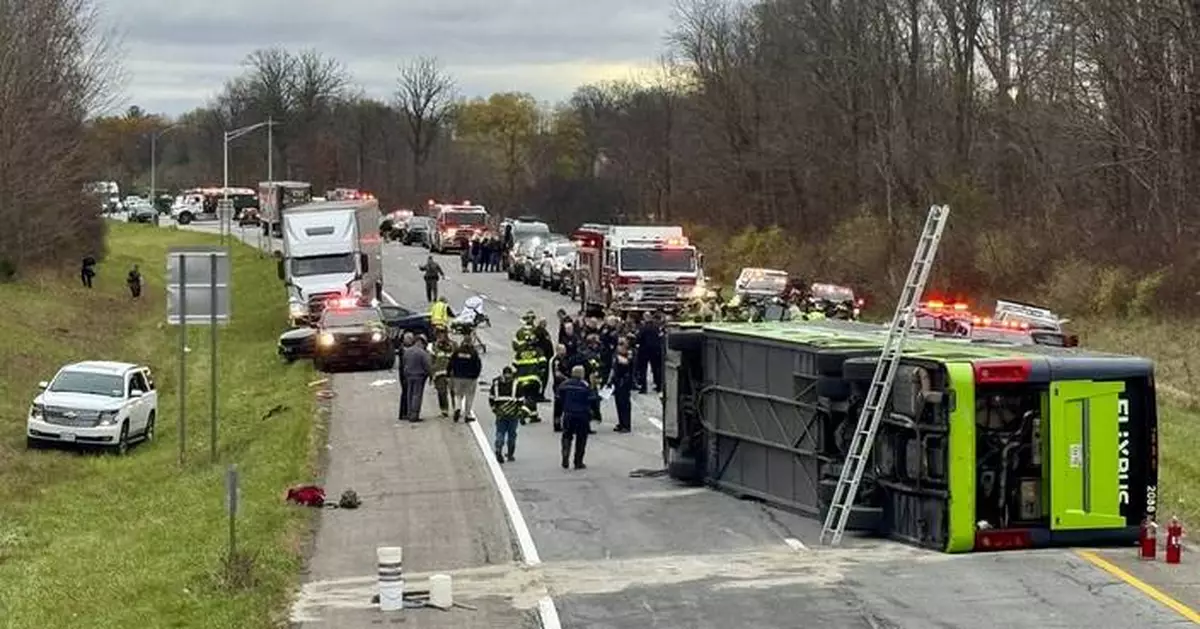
(885,374)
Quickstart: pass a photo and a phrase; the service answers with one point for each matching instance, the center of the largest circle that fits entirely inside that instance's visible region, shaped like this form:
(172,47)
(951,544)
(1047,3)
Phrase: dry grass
(106,542)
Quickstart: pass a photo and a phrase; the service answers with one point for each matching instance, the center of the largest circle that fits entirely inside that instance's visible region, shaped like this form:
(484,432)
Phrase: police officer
(649,354)
(577,398)
(510,411)
(432,272)
(545,347)
(528,362)
(589,360)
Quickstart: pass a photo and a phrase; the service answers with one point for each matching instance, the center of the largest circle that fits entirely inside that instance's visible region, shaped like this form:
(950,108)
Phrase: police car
(354,336)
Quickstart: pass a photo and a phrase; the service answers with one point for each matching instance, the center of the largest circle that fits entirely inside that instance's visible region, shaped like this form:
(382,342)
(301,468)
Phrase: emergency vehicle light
(342,302)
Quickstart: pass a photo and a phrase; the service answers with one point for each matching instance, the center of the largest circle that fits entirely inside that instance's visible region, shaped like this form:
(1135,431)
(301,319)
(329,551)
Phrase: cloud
(180,54)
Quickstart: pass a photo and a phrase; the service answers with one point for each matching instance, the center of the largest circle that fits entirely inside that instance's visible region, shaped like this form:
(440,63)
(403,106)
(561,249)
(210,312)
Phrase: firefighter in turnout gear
(528,361)
(441,350)
(510,411)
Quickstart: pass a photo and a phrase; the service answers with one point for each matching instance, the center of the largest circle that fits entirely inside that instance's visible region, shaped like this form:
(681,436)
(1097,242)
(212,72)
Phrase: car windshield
(88,382)
(662,260)
(323,265)
(525,230)
(349,318)
(464,218)
(832,292)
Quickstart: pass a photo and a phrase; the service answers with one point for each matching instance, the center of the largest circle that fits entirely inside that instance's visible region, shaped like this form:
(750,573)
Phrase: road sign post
(231,507)
(225,217)
(198,290)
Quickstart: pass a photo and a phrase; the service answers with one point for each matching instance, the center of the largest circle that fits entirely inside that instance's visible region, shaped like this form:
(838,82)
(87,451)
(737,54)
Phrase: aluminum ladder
(885,374)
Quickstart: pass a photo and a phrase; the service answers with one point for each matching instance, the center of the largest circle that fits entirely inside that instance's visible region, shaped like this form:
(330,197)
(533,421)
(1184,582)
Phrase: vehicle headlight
(108,418)
(326,339)
(297,309)
(377,337)
(635,294)
(37,412)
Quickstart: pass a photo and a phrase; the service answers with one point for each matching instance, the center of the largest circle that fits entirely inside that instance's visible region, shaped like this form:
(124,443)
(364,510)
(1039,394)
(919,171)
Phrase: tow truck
(455,224)
(634,268)
(200,204)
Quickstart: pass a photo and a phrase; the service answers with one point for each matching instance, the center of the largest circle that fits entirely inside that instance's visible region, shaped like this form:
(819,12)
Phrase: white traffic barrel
(440,592)
(391,578)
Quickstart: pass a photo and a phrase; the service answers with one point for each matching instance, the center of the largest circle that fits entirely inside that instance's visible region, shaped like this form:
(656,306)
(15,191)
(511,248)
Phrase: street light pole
(154,136)
(230,136)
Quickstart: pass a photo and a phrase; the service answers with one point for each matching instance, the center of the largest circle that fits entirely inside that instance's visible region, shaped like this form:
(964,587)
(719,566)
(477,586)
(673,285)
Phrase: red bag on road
(307,495)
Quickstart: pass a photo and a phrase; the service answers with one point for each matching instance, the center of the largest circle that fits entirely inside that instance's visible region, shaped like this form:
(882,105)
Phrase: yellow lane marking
(1140,585)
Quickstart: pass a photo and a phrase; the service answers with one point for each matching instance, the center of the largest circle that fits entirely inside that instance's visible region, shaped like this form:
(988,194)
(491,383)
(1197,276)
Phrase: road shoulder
(425,488)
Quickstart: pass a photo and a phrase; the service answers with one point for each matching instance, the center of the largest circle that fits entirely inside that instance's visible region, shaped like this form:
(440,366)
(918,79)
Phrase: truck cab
(455,225)
(647,268)
(331,252)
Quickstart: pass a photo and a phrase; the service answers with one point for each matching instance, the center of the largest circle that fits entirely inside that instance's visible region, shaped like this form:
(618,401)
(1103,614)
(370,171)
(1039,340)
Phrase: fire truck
(455,224)
(635,268)
(276,196)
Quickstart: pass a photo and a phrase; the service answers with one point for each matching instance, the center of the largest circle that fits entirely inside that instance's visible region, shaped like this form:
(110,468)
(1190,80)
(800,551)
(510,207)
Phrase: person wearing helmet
(509,410)
(528,361)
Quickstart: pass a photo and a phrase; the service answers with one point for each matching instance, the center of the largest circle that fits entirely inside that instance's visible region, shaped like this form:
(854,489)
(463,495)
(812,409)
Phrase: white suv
(94,403)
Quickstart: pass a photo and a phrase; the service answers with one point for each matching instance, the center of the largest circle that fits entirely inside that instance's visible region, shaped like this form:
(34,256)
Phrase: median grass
(140,541)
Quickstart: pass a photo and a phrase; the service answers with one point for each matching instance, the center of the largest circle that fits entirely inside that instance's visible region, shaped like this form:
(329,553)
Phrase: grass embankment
(1175,348)
(102,541)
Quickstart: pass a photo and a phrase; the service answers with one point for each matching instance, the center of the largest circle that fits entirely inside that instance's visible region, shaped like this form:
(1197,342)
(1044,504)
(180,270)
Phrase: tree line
(802,134)
(56,69)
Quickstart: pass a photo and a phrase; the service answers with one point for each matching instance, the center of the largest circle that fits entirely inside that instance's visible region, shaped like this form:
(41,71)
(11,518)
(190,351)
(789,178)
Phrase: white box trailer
(331,250)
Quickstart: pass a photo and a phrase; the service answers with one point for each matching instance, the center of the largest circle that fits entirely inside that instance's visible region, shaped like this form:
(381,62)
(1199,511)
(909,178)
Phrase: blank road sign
(190,275)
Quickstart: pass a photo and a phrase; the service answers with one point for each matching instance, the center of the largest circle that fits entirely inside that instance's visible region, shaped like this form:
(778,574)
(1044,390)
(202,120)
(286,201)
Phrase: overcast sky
(178,54)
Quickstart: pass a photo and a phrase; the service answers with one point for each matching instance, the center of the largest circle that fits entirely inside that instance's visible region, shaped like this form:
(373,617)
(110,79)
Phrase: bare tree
(56,68)
(425,96)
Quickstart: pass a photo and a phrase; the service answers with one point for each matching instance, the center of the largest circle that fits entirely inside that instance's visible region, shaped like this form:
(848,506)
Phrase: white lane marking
(654,421)
(529,554)
(549,613)
(795,544)
(383,382)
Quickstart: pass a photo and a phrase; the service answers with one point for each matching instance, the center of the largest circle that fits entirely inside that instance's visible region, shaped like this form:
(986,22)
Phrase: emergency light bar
(941,305)
(341,303)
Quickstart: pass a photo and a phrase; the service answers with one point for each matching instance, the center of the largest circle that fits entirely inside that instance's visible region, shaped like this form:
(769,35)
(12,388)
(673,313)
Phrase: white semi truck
(331,251)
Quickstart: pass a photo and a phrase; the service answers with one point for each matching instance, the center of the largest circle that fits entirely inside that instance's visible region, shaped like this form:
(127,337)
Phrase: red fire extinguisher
(1148,539)
(1174,541)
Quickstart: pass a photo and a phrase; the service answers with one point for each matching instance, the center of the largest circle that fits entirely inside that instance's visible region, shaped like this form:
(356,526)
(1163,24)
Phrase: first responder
(526,331)
(440,313)
(815,312)
(443,348)
(528,362)
(510,411)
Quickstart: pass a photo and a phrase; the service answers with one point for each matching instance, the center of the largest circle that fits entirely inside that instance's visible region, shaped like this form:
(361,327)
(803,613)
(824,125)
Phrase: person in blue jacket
(577,400)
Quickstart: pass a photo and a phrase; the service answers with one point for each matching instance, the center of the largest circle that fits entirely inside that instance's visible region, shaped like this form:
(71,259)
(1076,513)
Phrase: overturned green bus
(985,446)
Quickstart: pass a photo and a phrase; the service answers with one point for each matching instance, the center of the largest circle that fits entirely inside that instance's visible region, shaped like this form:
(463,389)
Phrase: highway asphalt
(601,549)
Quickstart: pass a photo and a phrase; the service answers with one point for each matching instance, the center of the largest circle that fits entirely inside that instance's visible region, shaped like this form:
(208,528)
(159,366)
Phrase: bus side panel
(1137,449)
(961,455)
